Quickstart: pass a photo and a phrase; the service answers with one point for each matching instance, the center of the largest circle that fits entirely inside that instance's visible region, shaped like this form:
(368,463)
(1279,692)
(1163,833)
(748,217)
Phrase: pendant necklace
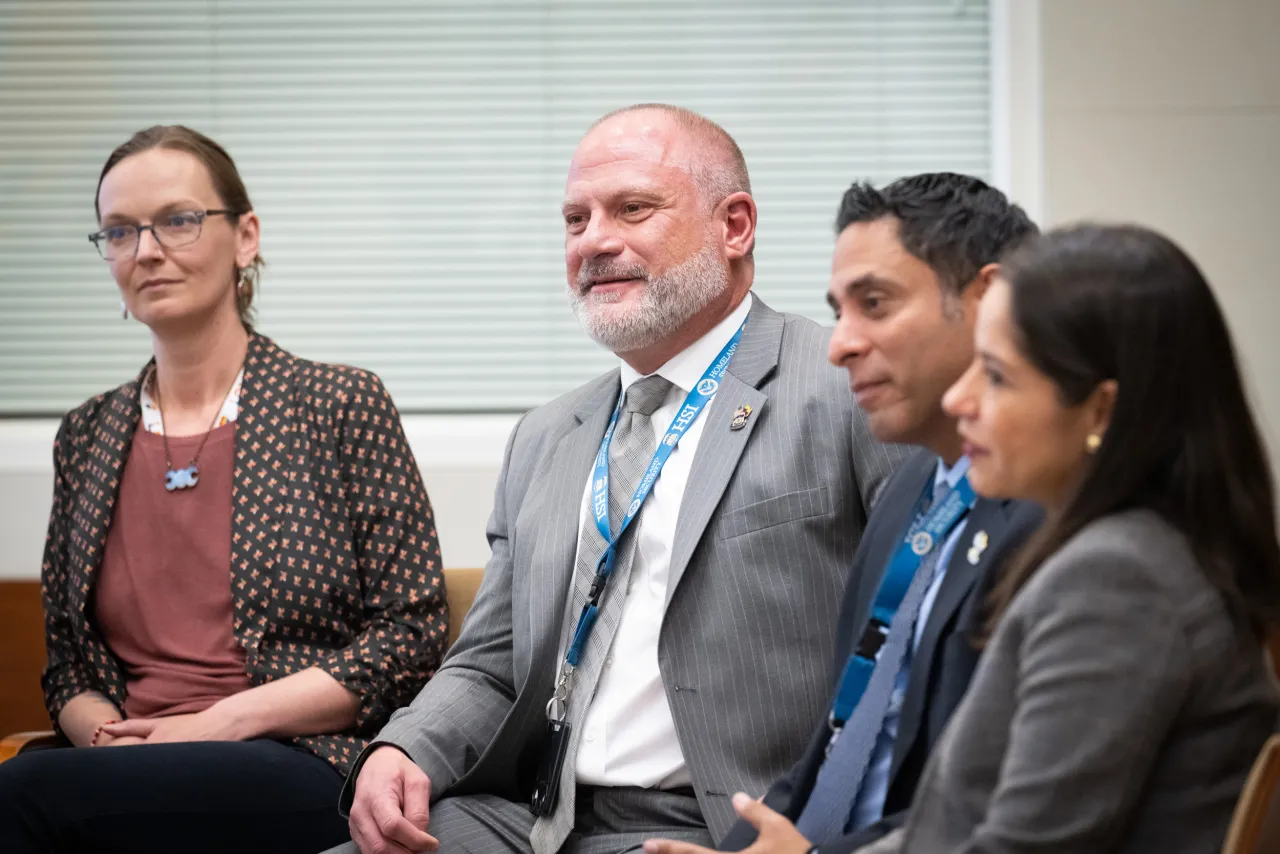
(188,477)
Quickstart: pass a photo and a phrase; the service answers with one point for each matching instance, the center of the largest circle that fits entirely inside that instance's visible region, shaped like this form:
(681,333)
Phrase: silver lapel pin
(980,541)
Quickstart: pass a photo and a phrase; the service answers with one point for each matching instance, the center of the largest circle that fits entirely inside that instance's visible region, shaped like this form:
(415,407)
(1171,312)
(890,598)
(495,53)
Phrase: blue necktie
(835,792)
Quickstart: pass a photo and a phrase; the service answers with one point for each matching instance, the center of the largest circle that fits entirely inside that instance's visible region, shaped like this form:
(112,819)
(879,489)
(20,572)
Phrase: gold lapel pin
(740,416)
(980,541)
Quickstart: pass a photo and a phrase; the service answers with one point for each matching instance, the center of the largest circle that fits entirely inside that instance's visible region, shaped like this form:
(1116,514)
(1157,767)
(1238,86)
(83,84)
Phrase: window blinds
(408,159)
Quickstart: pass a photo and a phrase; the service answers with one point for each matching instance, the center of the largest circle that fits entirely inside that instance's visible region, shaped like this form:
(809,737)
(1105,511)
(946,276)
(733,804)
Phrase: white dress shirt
(629,737)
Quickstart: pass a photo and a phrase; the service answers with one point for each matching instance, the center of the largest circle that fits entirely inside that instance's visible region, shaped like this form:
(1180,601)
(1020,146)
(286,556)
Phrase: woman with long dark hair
(1123,694)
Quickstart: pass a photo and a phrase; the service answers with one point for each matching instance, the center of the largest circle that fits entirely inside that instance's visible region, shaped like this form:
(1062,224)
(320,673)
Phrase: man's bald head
(659,229)
(707,151)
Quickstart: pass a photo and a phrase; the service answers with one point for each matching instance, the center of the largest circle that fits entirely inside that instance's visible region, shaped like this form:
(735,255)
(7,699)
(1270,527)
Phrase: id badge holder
(555,746)
(546,784)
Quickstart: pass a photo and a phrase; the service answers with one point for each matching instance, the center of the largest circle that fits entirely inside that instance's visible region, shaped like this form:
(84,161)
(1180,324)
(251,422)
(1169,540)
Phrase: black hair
(957,224)
(1095,303)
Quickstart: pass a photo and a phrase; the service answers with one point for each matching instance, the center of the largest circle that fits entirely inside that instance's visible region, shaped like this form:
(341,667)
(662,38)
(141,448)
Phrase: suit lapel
(108,452)
(896,506)
(564,477)
(265,433)
(989,518)
(719,447)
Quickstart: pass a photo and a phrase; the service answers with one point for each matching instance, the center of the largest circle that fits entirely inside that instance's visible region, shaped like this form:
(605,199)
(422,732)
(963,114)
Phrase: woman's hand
(209,725)
(303,703)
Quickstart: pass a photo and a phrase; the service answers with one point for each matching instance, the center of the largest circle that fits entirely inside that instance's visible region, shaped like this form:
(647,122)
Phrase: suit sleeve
(880,835)
(66,674)
(405,627)
(893,842)
(873,461)
(452,721)
(1103,668)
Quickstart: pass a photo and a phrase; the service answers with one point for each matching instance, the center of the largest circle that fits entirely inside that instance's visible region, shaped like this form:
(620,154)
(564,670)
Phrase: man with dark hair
(910,265)
(954,223)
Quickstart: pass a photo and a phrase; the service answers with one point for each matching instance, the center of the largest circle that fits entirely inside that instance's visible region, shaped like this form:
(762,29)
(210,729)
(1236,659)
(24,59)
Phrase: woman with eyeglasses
(241,577)
(1123,696)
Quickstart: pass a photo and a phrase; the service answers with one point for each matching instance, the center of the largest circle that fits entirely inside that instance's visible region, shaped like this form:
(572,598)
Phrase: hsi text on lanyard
(546,784)
(928,531)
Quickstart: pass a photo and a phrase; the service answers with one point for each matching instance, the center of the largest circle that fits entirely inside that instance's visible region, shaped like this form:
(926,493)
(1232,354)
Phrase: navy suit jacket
(944,661)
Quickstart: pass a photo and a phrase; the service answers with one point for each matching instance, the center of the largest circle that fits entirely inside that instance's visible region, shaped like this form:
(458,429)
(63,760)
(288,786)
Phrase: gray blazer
(768,527)
(1118,708)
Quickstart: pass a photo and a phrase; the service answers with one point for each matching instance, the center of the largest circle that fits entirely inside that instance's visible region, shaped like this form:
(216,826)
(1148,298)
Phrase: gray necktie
(840,777)
(630,452)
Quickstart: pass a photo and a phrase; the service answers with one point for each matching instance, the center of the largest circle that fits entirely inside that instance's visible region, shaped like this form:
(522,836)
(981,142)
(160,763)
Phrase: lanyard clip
(558,705)
(836,727)
(597,587)
(873,638)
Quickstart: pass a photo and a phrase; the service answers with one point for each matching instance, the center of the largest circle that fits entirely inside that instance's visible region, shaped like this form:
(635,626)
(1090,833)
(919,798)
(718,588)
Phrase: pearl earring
(1093,443)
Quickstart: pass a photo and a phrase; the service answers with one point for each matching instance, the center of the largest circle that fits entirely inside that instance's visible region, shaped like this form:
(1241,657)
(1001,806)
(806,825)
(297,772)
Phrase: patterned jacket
(334,558)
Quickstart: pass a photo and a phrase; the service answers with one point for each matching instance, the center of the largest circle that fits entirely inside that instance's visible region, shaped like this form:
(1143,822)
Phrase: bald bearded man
(670,541)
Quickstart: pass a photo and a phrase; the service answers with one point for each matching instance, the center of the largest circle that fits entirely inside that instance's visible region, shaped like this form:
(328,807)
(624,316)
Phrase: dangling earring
(1093,443)
(124,311)
(246,275)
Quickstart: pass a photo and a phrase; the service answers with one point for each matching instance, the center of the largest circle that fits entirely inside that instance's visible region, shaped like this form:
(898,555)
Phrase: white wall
(1167,113)
(459,457)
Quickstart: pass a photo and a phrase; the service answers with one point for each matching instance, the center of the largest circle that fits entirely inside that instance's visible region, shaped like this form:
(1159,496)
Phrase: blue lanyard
(693,405)
(928,531)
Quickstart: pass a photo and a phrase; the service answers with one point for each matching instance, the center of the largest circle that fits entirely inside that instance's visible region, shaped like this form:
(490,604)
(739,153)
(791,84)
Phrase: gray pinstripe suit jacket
(769,523)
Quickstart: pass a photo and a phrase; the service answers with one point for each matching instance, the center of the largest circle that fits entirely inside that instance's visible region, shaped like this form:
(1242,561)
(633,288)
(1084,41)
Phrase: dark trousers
(193,797)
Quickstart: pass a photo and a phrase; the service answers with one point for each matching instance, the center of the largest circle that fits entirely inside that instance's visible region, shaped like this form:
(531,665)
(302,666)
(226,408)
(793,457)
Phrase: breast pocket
(778,510)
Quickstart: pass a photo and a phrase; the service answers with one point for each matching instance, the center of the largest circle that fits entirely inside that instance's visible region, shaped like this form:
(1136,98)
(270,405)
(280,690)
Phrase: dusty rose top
(163,598)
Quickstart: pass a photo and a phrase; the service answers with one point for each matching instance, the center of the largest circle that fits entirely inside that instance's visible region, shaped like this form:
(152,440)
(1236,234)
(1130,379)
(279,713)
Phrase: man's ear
(983,280)
(977,288)
(739,212)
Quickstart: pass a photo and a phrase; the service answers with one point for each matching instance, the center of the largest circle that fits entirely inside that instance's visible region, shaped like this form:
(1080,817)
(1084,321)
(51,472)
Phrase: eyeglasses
(170,230)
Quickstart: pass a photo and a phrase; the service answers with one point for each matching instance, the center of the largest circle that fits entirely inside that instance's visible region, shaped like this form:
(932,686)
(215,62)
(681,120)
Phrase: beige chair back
(461,585)
(1255,827)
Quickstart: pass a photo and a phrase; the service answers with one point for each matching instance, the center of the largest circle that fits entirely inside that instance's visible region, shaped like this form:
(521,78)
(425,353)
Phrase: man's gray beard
(666,303)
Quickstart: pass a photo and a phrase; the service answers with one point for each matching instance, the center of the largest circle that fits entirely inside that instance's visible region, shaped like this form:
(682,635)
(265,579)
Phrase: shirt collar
(687,367)
(950,476)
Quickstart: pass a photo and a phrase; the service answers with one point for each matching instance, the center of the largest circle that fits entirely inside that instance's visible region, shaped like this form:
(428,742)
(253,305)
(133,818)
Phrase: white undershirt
(153,421)
(629,737)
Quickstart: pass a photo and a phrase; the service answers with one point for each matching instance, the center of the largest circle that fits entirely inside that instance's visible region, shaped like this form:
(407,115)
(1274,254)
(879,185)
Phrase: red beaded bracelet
(93,742)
